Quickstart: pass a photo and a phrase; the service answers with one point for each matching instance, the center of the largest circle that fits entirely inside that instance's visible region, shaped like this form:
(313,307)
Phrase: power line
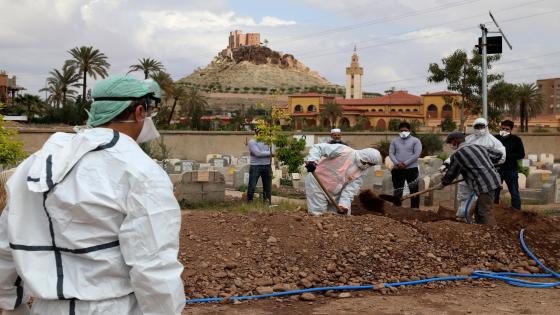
(430,36)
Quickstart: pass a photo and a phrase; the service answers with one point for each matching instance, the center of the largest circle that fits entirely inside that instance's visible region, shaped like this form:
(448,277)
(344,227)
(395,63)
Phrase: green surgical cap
(153,87)
(118,86)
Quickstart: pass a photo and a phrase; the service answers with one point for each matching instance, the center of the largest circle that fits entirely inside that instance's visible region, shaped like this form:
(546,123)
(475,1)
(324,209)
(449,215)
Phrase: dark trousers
(483,213)
(410,175)
(511,178)
(265,173)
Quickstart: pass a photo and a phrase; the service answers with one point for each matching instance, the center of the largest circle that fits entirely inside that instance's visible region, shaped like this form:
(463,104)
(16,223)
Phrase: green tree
(89,62)
(11,150)
(502,97)
(464,75)
(178,93)
(147,66)
(64,80)
(193,106)
(394,124)
(33,104)
(55,95)
(289,151)
(530,103)
(448,125)
(331,111)
(163,79)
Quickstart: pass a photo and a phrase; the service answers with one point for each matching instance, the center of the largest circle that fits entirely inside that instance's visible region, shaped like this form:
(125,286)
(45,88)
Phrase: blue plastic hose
(468,206)
(507,277)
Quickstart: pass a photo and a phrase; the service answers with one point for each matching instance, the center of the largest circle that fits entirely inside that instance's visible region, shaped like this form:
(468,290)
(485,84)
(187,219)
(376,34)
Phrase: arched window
(400,110)
(373,110)
(415,110)
(432,111)
(381,125)
(344,123)
(381,110)
(311,108)
(326,123)
(393,110)
(447,111)
(298,109)
(408,110)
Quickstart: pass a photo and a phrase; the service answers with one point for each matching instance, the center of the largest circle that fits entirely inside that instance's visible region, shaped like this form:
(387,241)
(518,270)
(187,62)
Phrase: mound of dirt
(232,254)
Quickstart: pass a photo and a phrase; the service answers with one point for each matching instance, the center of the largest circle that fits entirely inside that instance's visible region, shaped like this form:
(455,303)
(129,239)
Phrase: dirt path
(464,299)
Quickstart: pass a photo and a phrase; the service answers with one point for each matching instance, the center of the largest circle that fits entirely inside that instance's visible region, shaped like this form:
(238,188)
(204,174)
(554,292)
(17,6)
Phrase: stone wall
(196,145)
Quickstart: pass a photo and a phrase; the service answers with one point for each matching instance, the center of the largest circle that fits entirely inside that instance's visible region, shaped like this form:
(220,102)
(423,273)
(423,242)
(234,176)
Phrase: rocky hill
(258,70)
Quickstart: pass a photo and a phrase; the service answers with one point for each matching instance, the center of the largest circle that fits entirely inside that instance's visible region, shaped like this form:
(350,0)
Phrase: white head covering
(335,130)
(369,155)
(481,132)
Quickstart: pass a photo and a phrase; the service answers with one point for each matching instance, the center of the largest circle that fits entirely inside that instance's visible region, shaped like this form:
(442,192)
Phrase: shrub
(448,125)
(289,151)
(431,143)
(11,150)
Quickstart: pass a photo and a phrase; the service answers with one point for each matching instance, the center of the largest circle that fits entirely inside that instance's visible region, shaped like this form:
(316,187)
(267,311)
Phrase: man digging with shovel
(336,174)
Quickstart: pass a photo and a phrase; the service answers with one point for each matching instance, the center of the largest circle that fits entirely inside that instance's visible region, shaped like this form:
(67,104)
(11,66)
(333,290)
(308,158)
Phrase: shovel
(397,201)
(329,197)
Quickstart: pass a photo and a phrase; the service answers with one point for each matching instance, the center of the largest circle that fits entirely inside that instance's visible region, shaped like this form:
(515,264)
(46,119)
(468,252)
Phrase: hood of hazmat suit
(484,138)
(91,225)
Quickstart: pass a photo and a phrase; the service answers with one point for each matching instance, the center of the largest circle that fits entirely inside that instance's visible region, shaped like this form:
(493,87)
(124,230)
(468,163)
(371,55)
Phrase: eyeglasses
(367,163)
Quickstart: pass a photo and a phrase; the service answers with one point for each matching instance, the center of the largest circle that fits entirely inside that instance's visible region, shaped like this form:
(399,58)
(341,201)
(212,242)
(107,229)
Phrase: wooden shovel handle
(428,190)
(331,199)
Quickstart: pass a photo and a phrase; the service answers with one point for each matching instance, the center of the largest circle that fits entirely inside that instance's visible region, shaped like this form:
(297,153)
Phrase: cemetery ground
(233,250)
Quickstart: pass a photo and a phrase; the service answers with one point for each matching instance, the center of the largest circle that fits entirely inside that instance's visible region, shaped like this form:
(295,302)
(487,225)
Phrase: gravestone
(244,160)
(189,165)
(547,158)
(217,162)
(538,178)
(227,160)
(212,156)
(522,181)
(201,186)
(533,158)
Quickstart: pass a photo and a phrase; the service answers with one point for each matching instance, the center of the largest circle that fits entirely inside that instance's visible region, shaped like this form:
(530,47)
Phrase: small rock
(378,286)
(271,240)
(231,265)
(465,271)
(264,290)
(345,295)
(220,274)
(368,229)
(308,297)
(331,267)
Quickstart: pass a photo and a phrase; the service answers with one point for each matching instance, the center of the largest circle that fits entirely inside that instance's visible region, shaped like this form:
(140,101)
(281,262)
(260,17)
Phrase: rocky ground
(246,254)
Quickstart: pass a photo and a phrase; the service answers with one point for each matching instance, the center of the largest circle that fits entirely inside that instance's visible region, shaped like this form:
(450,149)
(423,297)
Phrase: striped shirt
(476,164)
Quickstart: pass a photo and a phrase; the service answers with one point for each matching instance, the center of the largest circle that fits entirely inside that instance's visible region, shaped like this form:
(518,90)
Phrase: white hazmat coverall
(342,173)
(91,227)
(484,138)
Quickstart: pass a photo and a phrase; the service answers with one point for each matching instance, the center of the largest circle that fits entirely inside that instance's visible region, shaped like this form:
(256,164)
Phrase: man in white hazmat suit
(92,225)
(483,137)
(341,169)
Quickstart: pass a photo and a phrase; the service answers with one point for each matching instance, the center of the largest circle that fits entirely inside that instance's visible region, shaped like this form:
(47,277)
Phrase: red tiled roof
(442,93)
(311,95)
(396,98)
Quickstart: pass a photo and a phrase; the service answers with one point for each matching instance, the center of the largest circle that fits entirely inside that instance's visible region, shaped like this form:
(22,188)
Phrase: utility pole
(484,74)
(496,48)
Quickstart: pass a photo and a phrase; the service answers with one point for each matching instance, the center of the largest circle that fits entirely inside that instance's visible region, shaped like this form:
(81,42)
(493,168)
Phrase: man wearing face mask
(509,170)
(481,136)
(404,152)
(91,224)
(341,169)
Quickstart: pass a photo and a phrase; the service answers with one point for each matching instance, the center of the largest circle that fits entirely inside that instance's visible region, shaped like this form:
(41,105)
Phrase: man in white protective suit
(483,137)
(91,224)
(341,169)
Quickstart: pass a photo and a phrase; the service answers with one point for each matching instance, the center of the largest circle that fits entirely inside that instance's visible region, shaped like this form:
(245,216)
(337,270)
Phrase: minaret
(354,75)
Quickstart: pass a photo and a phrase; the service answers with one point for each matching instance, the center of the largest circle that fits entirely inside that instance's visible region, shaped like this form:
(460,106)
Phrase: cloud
(273,21)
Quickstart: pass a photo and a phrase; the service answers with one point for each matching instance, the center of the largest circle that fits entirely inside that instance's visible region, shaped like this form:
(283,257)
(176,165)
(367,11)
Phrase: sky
(395,40)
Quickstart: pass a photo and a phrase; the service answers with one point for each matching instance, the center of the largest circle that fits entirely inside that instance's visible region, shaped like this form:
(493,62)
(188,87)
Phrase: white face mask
(480,132)
(148,132)
(504,133)
(404,134)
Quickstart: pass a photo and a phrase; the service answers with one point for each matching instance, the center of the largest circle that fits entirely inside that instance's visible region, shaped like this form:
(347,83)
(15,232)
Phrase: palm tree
(64,80)
(35,106)
(147,65)
(178,94)
(88,61)
(332,111)
(530,103)
(163,79)
(193,105)
(54,92)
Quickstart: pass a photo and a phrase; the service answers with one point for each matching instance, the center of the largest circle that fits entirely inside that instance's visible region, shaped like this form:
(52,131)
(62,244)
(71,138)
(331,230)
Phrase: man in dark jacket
(509,170)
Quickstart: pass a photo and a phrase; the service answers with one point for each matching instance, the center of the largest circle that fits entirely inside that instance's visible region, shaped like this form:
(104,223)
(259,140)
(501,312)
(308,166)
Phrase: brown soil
(232,254)
(288,192)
